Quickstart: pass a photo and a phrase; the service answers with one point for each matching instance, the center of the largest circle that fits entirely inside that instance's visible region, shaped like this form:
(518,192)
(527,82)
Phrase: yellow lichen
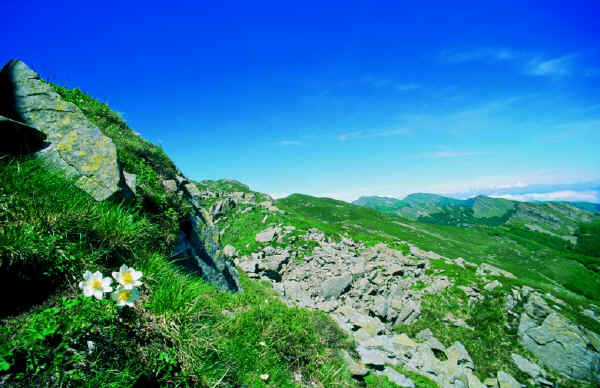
(66,144)
(61,106)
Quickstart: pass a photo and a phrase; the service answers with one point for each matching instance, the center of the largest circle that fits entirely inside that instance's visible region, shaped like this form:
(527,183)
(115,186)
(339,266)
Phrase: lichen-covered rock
(560,345)
(397,378)
(76,145)
(507,381)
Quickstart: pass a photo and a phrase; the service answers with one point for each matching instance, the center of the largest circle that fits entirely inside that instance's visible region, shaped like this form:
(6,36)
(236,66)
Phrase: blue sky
(338,99)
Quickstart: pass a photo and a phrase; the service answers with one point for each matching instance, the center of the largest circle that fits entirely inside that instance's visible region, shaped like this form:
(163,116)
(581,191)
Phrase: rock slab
(76,145)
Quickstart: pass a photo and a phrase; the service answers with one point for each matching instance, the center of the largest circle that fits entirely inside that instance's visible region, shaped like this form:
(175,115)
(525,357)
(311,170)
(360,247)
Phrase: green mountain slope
(325,282)
(537,259)
(556,219)
(533,255)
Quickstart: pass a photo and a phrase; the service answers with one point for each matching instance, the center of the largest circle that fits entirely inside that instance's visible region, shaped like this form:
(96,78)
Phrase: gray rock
(424,335)
(77,146)
(229,250)
(409,311)
(374,357)
(266,235)
(356,368)
(197,246)
(275,262)
(130,181)
(561,345)
(221,207)
(438,284)
(487,269)
(371,325)
(527,366)
(537,307)
(249,266)
(397,378)
(507,381)
(170,185)
(490,286)
(459,355)
(334,287)
(379,307)
(192,190)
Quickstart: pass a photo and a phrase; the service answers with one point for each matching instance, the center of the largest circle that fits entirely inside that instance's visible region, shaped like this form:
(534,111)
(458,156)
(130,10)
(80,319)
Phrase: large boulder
(560,345)
(75,144)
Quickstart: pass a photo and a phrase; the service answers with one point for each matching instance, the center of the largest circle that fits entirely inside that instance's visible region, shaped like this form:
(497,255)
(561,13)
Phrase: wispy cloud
(560,66)
(362,134)
(448,154)
(290,143)
(528,63)
(566,195)
(372,81)
(494,54)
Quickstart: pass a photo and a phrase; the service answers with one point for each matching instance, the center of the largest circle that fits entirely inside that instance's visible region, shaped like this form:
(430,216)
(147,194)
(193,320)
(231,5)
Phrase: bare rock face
(557,342)
(75,144)
(198,245)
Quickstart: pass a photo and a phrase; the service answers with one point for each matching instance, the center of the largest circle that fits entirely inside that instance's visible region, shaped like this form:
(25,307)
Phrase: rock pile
(363,288)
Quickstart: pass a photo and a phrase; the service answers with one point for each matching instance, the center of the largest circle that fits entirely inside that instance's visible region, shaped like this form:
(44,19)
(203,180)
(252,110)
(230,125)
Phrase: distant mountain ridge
(559,219)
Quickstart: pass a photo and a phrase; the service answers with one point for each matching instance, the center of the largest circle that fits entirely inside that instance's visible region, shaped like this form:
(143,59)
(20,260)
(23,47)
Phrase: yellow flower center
(124,295)
(96,284)
(127,278)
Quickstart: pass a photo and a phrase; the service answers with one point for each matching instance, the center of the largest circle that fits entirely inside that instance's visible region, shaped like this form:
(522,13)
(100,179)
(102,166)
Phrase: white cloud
(552,67)
(361,134)
(566,195)
(494,54)
(289,142)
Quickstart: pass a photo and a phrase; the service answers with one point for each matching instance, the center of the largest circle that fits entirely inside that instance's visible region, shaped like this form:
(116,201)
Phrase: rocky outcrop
(76,146)
(38,120)
(198,243)
(450,367)
(557,342)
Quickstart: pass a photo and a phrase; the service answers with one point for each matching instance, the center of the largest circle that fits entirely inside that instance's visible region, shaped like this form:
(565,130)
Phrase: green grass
(182,332)
(537,258)
(374,381)
(50,230)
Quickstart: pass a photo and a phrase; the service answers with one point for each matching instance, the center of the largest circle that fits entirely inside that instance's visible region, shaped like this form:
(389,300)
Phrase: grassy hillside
(548,261)
(536,258)
(556,219)
(182,332)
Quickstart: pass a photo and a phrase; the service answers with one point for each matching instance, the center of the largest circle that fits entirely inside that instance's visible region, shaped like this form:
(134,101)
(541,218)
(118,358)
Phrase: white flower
(128,277)
(264,377)
(94,284)
(125,296)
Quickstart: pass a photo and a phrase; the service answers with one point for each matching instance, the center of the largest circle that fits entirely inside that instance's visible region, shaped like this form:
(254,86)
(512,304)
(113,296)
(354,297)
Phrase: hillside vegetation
(543,259)
(331,294)
(184,331)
